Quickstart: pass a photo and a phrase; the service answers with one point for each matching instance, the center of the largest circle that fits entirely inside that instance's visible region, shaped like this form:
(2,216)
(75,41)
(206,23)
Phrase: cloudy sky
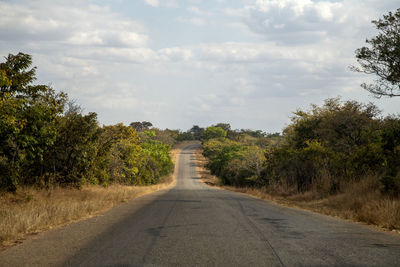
(177,63)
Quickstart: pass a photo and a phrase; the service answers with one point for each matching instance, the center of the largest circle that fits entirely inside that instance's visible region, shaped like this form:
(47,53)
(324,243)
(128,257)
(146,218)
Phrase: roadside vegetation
(31,210)
(340,158)
(46,140)
(58,164)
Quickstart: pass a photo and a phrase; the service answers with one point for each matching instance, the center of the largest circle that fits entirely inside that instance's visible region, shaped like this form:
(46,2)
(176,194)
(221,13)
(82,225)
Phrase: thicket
(323,149)
(45,140)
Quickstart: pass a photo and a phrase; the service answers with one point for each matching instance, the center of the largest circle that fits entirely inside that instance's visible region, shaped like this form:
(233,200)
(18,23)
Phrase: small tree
(382,57)
(141,126)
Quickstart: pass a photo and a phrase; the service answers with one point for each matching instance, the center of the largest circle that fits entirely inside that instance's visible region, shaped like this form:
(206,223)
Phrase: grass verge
(30,211)
(359,201)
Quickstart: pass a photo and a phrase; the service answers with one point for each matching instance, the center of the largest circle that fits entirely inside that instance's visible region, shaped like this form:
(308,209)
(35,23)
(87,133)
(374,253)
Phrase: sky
(178,63)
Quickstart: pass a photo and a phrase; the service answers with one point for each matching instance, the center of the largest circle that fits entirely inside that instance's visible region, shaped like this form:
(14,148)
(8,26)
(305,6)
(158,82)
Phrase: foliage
(184,136)
(225,126)
(141,126)
(220,152)
(74,151)
(43,144)
(27,122)
(166,136)
(340,138)
(391,150)
(156,162)
(197,132)
(338,142)
(213,132)
(382,57)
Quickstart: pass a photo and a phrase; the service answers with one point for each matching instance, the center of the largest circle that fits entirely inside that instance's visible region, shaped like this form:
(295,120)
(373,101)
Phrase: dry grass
(360,201)
(30,211)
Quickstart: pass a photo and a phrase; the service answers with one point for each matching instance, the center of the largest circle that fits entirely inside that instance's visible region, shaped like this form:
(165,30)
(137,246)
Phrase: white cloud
(305,21)
(162,3)
(69,25)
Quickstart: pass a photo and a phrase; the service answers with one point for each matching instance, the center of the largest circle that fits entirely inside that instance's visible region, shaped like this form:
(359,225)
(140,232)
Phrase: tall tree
(382,57)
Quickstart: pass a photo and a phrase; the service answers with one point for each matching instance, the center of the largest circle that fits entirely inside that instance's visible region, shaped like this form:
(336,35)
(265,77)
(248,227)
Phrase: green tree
(342,139)
(27,121)
(382,57)
(156,162)
(183,136)
(17,69)
(74,152)
(225,126)
(220,152)
(213,132)
(11,124)
(119,153)
(245,167)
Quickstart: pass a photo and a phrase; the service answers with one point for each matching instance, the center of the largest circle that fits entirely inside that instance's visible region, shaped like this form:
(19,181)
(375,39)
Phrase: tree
(17,70)
(197,131)
(382,57)
(141,126)
(119,161)
(28,116)
(213,132)
(225,126)
(74,151)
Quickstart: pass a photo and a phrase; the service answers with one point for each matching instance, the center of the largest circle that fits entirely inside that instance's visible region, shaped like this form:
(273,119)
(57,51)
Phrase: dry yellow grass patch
(359,201)
(30,211)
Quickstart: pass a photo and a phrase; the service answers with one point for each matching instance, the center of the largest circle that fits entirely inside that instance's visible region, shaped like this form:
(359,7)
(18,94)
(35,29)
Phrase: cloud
(162,3)
(306,22)
(69,25)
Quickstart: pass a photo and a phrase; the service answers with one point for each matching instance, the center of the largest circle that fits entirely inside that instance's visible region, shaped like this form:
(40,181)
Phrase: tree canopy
(213,132)
(382,57)
(141,126)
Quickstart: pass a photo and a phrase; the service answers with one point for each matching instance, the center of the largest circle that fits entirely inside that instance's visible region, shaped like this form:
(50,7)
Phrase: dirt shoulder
(30,211)
(382,214)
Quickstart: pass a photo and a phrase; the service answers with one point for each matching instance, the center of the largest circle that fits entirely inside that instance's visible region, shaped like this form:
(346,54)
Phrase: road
(194,224)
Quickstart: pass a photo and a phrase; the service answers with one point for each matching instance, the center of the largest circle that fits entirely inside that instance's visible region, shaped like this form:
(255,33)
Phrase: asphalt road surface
(193,224)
